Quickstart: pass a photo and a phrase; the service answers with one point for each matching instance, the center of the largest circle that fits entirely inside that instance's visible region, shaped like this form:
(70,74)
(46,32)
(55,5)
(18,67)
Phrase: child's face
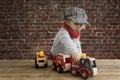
(76,26)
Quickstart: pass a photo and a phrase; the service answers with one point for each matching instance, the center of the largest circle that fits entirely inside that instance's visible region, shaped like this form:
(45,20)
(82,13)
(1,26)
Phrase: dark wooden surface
(109,69)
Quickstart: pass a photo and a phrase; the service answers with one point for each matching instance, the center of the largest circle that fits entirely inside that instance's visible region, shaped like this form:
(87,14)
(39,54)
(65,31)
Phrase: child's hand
(75,56)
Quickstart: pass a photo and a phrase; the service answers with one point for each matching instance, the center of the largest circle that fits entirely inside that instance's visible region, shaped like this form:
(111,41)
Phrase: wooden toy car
(86,67)
(61,63)
(40,59)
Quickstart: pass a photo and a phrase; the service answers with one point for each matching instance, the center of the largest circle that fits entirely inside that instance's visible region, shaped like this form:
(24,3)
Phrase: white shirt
(65,44)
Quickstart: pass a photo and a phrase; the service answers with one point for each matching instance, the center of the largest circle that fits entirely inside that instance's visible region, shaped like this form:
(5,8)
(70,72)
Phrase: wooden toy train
(86,66)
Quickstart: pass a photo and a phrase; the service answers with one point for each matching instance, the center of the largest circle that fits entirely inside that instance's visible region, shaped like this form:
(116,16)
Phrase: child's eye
(76,23)
(79,24)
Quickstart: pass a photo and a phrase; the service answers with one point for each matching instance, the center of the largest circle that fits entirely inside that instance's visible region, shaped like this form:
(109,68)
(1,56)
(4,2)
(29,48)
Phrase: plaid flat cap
(78,15)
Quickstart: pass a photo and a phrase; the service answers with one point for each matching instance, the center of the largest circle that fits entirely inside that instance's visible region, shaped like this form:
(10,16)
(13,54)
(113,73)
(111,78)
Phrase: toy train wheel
(59,69)
(54,67)
(74,72)
(84,74)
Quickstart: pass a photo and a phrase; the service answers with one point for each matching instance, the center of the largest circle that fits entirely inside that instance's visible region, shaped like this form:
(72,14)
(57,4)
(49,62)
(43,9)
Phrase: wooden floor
(24,70)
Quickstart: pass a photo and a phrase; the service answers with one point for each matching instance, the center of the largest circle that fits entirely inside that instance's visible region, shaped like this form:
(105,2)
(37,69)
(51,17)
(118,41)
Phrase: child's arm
(70,46)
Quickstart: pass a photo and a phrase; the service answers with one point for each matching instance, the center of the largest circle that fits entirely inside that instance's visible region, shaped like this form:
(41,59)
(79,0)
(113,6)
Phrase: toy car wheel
(36,66)
(74,72)
(59,69)
(46,65)
(84,74)
(54,67)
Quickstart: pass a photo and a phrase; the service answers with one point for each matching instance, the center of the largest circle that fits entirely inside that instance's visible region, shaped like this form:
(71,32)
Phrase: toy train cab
(61,63)
(87,67)
(40,59)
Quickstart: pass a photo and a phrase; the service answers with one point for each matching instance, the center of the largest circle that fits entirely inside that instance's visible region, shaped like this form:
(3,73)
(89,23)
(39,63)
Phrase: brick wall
(27,26)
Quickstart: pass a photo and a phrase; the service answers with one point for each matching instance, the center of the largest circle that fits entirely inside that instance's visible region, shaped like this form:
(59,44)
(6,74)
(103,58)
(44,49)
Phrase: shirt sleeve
(68,43)
(79,46)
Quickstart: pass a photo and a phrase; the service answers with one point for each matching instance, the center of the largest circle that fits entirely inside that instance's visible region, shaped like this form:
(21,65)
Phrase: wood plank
(24,70)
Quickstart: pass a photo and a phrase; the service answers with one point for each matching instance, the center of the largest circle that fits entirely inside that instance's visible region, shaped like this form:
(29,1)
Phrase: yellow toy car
(40,60)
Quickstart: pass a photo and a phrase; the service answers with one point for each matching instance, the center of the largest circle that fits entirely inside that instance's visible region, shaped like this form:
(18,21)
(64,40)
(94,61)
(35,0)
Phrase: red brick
(29,24)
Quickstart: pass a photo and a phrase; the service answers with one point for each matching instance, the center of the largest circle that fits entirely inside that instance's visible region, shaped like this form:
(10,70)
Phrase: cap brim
(82,21)
(88,23)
